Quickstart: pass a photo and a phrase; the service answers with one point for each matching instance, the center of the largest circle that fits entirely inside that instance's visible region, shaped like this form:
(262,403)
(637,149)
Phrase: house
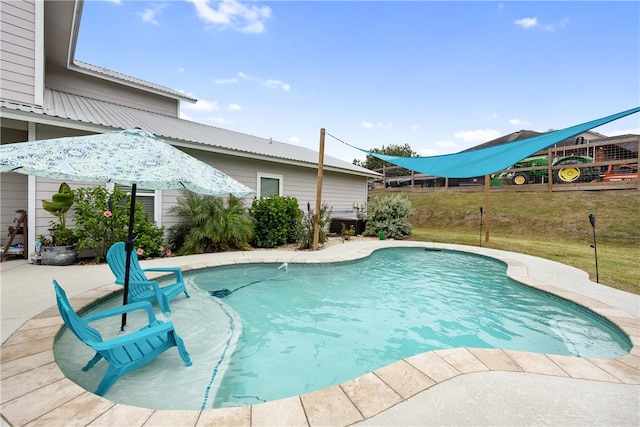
(46,93)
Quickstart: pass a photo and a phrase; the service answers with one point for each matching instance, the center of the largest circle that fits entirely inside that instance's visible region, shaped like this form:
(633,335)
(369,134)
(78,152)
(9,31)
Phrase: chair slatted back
(79,327)
(117,259)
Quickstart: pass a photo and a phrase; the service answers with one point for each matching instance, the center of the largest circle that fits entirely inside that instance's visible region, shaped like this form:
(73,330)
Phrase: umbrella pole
(128,247)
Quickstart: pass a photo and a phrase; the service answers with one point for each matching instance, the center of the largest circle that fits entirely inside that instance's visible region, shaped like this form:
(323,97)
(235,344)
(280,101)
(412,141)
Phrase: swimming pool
(325,319)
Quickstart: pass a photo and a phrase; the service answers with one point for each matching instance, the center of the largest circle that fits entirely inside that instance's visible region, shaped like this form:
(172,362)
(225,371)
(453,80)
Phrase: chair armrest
(133,337)
(115,311)
(175,270)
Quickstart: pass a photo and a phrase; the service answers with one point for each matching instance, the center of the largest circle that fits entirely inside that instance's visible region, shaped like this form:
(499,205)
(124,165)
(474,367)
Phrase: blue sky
(439,76)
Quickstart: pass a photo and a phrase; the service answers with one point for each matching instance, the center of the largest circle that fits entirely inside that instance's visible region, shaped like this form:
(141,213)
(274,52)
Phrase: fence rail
(607,164)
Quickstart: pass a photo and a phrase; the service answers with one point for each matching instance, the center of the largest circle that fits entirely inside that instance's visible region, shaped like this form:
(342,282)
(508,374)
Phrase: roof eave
(44,119)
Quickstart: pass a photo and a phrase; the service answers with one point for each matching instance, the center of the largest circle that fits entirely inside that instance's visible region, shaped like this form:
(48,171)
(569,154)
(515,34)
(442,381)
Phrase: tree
(373,163)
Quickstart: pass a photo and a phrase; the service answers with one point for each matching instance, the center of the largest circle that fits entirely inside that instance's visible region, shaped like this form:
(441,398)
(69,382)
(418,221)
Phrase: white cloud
(426,152)
(189,94)
(518,122)
(527,22)
(234,107)
(233,14)
(481,135)
(184,116)
(446,144)
(149,14)
(270,83)
(533,22)
(201,105)
(294,140)
(380,125)
(225,81)
(277,84)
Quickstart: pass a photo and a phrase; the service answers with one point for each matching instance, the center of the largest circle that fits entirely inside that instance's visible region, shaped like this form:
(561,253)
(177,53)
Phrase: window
(146,197)
(269,185)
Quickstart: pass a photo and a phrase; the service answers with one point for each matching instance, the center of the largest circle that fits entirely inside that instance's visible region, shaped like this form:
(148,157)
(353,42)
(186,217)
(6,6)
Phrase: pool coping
(36,392)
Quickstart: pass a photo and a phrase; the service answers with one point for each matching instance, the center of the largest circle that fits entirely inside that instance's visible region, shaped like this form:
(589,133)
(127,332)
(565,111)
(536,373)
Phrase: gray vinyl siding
(339,190)
(17,49)
(73,82)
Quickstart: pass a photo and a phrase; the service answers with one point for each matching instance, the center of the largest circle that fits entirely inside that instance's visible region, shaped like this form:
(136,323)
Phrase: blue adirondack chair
(141,288)
(124,353)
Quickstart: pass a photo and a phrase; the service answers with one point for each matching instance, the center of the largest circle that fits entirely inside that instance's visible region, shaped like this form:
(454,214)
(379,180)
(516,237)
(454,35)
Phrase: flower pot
(59,255)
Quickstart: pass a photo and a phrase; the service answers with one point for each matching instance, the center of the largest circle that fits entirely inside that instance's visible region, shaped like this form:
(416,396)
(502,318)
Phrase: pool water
(278,330)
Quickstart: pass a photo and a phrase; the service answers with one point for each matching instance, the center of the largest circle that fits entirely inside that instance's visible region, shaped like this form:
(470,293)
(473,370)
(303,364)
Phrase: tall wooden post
(487,207)
(316,224)
(549,170)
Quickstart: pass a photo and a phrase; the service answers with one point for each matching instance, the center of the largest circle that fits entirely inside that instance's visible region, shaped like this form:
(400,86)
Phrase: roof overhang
(36,115)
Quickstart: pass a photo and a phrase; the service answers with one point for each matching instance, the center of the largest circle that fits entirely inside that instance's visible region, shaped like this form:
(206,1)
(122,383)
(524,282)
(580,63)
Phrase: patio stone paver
(79,411)
(286,412)
(462,360)
(623,372)
(370,394)
(115,415)
(330,407)
(405,379)
(536,363)
(172,418)
(232,417)
(433,366)
(578,367)
(495,359)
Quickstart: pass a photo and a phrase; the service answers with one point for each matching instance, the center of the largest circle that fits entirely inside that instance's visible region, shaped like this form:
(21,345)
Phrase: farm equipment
(536,170)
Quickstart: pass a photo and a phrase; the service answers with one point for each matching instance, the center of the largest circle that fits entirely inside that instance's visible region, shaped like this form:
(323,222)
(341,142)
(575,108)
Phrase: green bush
(276,221)
(389,214)
(207,225)
(102,219)
(308,226)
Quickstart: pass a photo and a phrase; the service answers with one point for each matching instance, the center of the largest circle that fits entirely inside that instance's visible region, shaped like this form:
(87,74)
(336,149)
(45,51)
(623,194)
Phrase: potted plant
(62,250)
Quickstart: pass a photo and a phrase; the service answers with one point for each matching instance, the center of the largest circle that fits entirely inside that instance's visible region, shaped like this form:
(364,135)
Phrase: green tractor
(575,170)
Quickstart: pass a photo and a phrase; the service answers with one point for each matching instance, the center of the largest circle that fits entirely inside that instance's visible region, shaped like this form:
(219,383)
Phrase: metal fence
(608,163)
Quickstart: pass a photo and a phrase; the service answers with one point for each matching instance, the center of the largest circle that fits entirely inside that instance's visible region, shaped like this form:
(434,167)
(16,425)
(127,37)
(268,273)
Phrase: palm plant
(206,225)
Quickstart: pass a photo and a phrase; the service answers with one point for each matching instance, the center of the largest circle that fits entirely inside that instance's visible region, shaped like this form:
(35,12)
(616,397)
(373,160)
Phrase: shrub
(308,226)
(389,214)
(102,219)
(206,225)
(346,233)
(276,221)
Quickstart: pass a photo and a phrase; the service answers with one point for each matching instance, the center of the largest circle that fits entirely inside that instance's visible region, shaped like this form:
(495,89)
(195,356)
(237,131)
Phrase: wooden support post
(316,225)
(549,170)
(638,163)
(487,207)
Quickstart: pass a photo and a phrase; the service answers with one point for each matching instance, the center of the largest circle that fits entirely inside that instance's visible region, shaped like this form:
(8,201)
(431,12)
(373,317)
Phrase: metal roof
(81,109)
(107,74)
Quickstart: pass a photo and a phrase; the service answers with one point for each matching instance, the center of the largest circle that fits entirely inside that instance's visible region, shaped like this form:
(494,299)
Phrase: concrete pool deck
(463,386)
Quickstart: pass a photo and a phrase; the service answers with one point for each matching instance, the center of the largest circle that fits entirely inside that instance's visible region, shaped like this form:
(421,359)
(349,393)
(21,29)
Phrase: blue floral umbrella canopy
(130,157)
(126,157)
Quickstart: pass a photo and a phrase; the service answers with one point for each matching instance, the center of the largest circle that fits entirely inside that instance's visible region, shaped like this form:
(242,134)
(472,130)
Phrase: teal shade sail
(471,163)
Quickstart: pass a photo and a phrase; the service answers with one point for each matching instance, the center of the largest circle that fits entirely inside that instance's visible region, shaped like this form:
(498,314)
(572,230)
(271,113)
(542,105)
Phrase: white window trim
(157,200)
(261,175)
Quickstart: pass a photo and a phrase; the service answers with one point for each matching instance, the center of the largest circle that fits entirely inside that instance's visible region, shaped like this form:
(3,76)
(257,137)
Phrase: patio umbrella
(130,157)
